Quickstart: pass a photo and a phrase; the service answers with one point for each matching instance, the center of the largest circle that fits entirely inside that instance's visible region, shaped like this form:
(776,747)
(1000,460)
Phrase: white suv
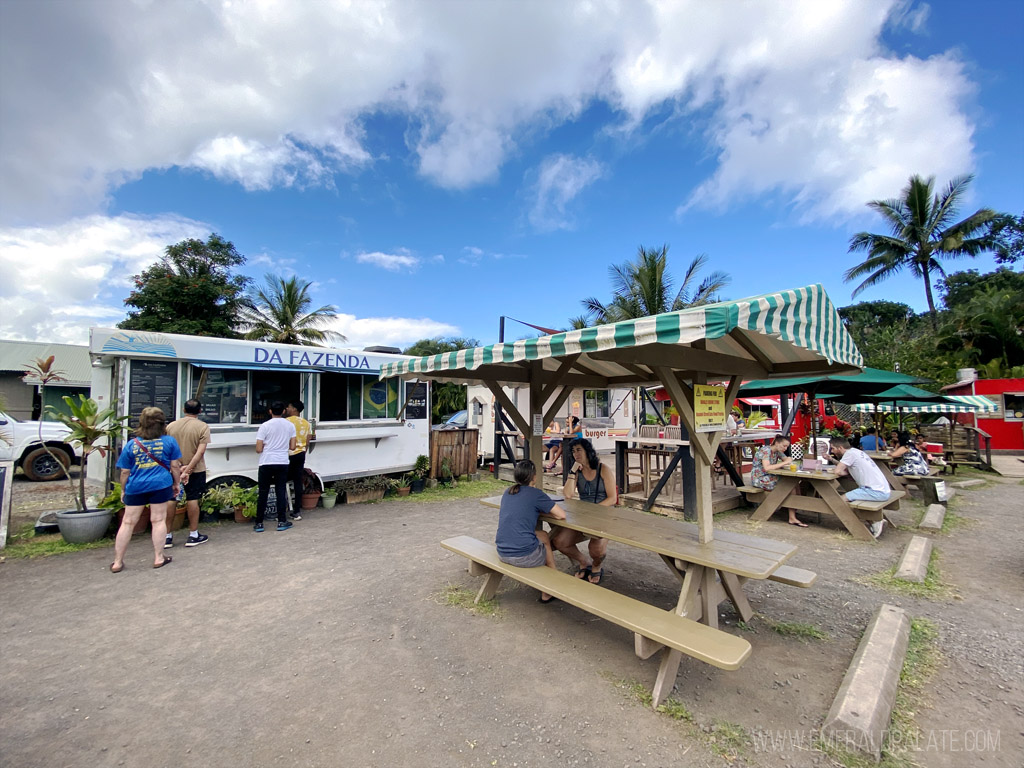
(19,442)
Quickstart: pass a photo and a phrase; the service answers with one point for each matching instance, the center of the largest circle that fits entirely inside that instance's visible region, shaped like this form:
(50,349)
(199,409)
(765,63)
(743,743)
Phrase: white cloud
(390,331)
(795,97)
(57,282)
(393,262)
(559,180)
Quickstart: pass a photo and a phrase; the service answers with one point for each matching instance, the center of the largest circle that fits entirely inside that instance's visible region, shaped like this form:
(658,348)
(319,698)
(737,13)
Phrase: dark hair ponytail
(523,474)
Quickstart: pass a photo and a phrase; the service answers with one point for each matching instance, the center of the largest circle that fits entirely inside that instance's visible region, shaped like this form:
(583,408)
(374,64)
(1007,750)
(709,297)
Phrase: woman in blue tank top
(592,482)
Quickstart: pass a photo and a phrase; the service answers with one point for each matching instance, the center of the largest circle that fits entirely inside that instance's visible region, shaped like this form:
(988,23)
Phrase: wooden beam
(731,391)
(537,408)
(557,403)
(751,349)
(682,398)
(557,376)
(508,406)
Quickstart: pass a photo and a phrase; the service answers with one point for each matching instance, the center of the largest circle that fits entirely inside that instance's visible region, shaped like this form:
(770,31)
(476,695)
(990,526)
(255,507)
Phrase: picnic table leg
(489,587)
(734,589)
(774,499)
(841,509)
(669,668)
(895,481)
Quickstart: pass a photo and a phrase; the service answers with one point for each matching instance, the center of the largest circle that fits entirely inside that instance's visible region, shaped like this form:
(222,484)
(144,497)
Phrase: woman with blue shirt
(150,465)
(520,540)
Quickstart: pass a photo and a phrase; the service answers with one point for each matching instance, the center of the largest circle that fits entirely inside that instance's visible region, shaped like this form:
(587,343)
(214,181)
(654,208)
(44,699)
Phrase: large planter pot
(417,486)
(405,490)
(329,500)
(239,513)
(358,497)
(309,500)
(83,527)
(141,525)
(177,522)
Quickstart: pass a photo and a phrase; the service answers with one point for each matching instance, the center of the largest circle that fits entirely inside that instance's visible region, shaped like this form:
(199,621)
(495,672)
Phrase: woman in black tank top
(592,482)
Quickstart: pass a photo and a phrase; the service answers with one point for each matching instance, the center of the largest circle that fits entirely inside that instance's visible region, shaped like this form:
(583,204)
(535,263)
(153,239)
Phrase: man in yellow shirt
(297,458)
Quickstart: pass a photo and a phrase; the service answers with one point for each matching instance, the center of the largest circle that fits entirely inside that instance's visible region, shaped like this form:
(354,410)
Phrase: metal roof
(71,359)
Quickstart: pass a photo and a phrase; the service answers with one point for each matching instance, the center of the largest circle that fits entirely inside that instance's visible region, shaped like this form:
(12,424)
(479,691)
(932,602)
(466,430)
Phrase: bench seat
(878,506)
(704,643)
(795,577)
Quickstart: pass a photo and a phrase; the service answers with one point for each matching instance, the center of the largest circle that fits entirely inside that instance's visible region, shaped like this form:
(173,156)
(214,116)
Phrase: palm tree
(921,230)
(643,287)
(280,312)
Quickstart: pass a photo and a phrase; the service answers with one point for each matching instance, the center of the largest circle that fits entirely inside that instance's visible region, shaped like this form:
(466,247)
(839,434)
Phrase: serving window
(223,394)
(595,403)
(354,397)
(1013,406)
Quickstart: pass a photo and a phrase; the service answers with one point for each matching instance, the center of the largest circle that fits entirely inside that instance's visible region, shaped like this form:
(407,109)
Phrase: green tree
(643,287)
(959,289)
(922,230)
(446,397)
(190,290)
(988,330)
(1008,232)
(280,312)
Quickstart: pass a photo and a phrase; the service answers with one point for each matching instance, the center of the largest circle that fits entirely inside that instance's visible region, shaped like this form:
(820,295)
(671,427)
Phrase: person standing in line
(150,465)
(297,457)
(274,439)
(193,436)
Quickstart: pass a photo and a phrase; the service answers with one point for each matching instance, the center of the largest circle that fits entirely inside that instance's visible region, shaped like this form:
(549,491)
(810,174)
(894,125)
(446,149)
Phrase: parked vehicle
(457,420)
(19,442)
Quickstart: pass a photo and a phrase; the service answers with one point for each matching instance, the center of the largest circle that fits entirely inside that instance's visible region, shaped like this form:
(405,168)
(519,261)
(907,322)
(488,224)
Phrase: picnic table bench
(828,501)
(708,574)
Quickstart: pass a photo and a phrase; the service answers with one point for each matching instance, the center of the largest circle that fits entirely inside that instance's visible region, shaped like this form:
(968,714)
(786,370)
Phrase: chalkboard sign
(152,383)
(417,396)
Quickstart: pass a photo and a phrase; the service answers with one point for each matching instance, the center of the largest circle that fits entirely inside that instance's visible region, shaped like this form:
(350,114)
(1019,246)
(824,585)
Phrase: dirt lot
(330,645)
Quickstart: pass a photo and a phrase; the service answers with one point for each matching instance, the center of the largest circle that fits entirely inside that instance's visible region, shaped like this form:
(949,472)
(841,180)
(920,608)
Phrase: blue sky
(430,169)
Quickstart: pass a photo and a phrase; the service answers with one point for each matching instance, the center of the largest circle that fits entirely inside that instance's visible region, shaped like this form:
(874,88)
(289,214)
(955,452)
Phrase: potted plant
(419,473)
(347,486)
(92,429)
(329,497)
(112,501)
(446,472)
(312,488)
(243,501)
(404,484)
(218,500)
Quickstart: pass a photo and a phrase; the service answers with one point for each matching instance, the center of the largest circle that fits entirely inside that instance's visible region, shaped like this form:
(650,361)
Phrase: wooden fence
(457,445)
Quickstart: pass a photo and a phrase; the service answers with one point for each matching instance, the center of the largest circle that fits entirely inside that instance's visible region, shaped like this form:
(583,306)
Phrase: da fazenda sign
(311,358)
(708,407)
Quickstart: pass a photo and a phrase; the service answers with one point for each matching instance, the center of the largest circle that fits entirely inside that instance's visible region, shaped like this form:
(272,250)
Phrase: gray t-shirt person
(517,521)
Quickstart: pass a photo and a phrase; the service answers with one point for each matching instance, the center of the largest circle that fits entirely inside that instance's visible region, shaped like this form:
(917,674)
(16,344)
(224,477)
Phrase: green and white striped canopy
(959,404)
(778,334)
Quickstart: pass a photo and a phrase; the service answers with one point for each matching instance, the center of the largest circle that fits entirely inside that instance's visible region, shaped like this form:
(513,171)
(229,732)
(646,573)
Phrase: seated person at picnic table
(871,483)
(767,459)
(871,441)
(921,443)
(519,539)
(594,482)
(913,462)
(553,447)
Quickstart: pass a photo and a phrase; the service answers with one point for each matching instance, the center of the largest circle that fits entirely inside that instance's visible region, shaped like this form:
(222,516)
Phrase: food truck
(361,424)
(604,414)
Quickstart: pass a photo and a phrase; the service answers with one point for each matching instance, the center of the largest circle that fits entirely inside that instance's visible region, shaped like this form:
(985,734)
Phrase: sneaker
(195,541)
(876,528)
(296,516)
(258,528)
(284,526)
(169,541)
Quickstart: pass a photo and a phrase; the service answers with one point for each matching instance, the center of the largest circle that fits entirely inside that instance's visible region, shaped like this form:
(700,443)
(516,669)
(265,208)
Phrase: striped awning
(778,334)
(958,404)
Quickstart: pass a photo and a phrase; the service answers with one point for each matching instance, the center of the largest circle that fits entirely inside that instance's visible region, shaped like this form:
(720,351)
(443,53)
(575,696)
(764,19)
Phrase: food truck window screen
(1013,406)
(268,386)
(333,397)
(380,398)
(595,403)
(223,394)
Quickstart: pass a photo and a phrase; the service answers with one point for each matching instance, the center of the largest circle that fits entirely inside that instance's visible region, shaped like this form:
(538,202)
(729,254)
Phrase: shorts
(158,496)
(538,557)
(196,486)
(867,494)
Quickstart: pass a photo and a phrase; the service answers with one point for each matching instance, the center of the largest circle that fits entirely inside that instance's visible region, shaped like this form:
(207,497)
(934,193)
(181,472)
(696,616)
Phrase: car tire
(40,466)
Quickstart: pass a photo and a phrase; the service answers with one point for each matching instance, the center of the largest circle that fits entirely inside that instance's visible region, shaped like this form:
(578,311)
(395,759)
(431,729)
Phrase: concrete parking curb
(932,520)
(860,713)
(967,483)
(914,563)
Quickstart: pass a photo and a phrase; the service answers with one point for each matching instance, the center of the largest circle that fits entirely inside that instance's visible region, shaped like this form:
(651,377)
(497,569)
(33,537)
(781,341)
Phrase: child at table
(768,459)
(519,539)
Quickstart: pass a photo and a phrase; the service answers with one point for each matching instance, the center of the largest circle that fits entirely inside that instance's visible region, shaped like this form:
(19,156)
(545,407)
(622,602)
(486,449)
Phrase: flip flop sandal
(591,574)
(799,524)
(116,570)
(584,571)
(167,559)
(551,599)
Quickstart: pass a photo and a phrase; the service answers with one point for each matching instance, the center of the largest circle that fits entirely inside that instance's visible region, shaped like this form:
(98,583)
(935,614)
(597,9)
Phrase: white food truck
(363,425)
(604,414)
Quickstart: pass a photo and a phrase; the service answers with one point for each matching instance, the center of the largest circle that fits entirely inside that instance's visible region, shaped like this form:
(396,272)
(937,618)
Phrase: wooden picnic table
(708,573)
(829,500)
(884,462)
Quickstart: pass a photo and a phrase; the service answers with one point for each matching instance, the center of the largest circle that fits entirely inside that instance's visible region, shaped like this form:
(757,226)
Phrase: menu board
(152,383)
(417,396)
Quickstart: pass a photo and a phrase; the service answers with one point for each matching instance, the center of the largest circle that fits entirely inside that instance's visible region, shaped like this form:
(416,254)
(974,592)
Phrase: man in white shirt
(273,441)
(871,483)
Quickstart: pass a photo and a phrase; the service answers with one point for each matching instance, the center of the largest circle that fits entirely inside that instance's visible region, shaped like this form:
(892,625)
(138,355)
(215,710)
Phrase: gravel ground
(331,644)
